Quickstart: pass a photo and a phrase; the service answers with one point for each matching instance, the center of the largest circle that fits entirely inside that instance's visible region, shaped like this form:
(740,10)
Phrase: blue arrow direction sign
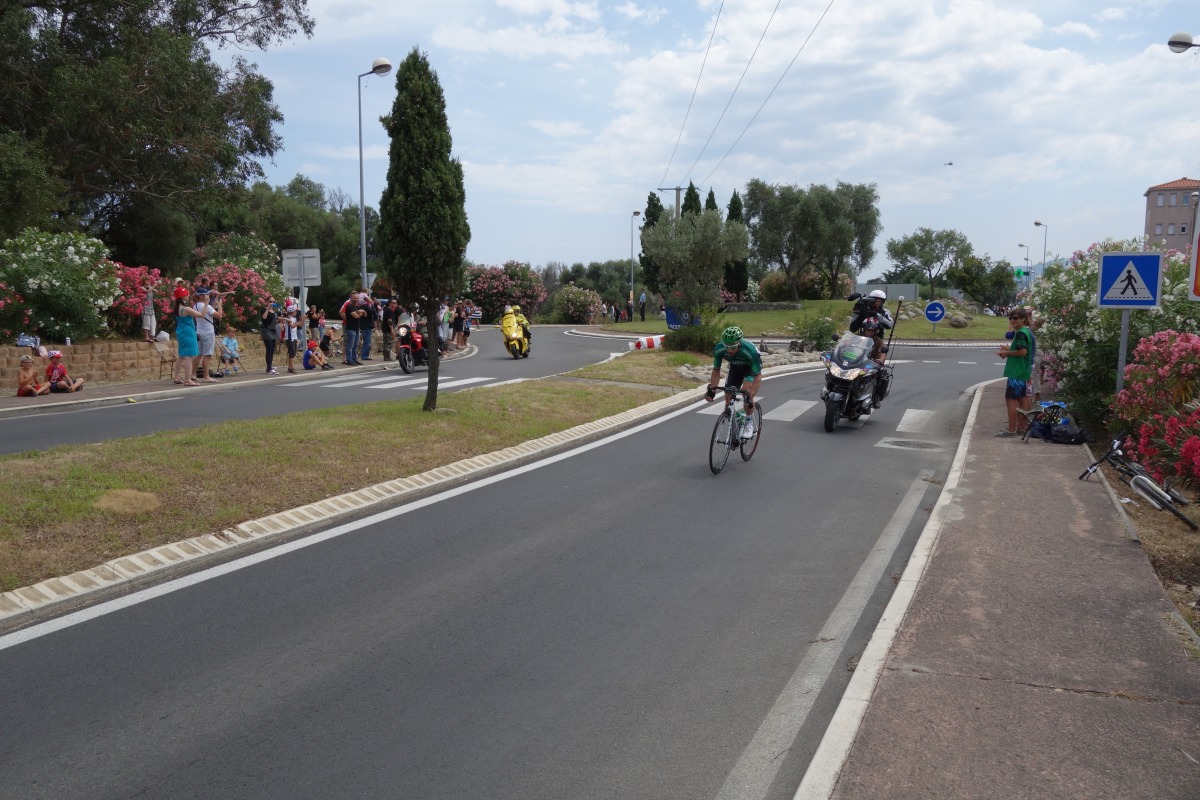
(934,312)
(1130,280)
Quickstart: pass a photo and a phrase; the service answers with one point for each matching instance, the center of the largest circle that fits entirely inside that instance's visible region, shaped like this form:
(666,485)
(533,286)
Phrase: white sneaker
(748,430)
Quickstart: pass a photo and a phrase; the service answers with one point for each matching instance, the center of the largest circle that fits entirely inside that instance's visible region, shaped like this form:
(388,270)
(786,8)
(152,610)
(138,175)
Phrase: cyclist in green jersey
(744,362)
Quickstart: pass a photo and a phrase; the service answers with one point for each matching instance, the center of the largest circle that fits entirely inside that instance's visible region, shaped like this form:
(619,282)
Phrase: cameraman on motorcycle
(867,308)
(744,362)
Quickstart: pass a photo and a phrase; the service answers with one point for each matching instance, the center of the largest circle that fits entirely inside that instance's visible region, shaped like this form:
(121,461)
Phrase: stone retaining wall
(113,360)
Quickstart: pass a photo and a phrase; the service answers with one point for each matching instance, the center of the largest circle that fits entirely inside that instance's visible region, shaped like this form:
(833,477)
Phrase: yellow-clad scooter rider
(524,323)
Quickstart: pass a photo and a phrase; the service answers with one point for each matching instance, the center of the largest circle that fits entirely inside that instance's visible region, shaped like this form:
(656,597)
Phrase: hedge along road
(617,622)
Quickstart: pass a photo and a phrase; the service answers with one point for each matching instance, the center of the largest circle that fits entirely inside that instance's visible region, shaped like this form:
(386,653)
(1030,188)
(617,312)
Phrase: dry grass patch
(647,367)
(68,509)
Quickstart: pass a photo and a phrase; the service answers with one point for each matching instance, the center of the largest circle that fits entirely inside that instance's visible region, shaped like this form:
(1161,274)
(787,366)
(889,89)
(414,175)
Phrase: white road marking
(914,420)
(790,410)
(753,774)
(441,384)
(404,382)
(931,362)
(969,363)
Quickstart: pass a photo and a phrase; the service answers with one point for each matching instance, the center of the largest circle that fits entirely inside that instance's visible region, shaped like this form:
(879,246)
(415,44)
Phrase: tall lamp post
(1037,223)
(632,219)
(380,66)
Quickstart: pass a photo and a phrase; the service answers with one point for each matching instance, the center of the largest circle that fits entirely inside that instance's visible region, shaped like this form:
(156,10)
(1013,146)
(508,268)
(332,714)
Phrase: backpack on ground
(1058,425)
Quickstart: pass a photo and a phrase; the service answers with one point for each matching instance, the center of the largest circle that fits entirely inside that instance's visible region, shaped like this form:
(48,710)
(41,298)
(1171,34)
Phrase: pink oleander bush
(1160,404)
(492,288)
(248,294)
(125,314)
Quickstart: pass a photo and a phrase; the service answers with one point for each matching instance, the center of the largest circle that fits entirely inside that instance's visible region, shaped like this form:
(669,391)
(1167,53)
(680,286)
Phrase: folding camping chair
(165,356)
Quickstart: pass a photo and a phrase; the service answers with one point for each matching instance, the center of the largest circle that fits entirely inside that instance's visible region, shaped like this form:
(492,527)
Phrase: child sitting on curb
(57,376)
(27,384)
(313,357)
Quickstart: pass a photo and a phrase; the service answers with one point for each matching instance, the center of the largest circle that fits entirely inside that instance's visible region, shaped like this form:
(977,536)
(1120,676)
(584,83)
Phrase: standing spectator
(604,311)
(1016,368)
(206,330)
(443,325)
(321,324)
(185,338)
(57,377)
(290,325)
(469,312)
(629,307)
(27,384)
(355,316)
(149,322)
(642,305)
(270,334)
(368,323)
(387,326)
(456,327)
(314,323)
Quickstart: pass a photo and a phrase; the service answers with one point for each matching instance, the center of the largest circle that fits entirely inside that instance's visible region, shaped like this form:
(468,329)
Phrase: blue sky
(566,115)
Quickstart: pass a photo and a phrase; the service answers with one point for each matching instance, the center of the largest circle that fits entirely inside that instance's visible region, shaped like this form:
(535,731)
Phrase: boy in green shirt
(1017,367)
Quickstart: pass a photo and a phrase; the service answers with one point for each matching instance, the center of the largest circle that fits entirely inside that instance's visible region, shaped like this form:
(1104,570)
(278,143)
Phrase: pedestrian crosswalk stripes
(789,410)
(385,380)
(447,384)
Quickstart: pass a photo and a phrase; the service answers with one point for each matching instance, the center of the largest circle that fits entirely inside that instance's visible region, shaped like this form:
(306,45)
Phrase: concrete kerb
(28,604)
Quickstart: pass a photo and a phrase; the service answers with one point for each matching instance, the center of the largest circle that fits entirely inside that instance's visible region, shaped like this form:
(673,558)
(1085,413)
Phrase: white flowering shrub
(1080,341)
(56,285)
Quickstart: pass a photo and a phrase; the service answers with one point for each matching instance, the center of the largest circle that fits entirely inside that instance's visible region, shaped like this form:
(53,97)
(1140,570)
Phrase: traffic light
(1018,272)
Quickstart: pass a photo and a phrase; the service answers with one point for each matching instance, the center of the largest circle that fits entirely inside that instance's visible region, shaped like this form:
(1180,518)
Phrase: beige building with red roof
(1171,212)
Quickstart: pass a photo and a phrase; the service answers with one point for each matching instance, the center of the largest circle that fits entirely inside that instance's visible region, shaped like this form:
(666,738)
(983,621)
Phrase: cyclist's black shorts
(737,374)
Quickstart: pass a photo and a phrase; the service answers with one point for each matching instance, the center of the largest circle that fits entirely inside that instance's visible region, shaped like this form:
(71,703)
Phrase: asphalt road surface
(613,622)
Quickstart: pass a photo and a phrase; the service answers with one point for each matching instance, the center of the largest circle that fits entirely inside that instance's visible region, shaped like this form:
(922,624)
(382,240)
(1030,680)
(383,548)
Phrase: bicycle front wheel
(751,444)
(722,442)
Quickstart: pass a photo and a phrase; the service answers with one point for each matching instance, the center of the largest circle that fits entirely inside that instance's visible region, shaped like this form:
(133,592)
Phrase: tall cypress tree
(650,217)
(691,200)
(423,230)
(737,272)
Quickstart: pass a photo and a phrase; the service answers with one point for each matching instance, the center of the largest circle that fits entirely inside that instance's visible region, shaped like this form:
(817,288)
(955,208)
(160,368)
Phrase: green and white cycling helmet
(732,335)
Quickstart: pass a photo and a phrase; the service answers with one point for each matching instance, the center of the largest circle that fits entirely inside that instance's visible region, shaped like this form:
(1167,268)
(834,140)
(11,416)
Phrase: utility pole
(678,198)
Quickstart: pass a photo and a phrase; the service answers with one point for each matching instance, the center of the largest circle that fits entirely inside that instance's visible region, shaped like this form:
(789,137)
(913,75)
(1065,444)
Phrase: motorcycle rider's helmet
(870,328)
(878,294)
(508,309)
(516,309)
(732,335)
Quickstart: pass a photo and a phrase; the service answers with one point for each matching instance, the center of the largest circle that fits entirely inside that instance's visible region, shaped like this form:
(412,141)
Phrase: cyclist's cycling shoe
(748,430)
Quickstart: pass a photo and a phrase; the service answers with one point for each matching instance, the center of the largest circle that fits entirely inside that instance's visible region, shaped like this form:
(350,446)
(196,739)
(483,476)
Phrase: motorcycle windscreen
(852,350)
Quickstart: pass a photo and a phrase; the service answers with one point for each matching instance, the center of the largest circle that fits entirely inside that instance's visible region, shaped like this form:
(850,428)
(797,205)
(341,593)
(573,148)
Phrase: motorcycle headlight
(402,331)
(845,374)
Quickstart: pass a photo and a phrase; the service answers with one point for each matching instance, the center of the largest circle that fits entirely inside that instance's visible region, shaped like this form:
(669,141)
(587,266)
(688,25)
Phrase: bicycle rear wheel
(751,444)
(722,442)
(1154,492)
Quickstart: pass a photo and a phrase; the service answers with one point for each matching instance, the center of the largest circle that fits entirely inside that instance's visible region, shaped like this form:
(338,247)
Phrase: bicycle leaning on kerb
(1135,476)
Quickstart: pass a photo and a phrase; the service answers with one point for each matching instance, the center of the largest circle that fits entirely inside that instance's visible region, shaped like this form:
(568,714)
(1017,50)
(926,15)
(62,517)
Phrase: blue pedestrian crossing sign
(1130,280)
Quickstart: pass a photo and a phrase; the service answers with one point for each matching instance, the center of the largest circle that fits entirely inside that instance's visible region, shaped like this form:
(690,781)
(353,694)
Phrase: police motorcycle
(855,383)
(410,345)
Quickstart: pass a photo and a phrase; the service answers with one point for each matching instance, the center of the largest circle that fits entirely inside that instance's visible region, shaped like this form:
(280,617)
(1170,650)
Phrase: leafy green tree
(983,280)
(152,233)
(862,204)
(710,202)
(737,271)
(423,230)
(786,230)
(650,217)
(933,252)
(30,192)
(120,100)
(691,253)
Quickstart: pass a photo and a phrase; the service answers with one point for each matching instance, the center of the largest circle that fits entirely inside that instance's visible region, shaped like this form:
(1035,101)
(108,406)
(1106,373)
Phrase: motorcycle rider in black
(870,320)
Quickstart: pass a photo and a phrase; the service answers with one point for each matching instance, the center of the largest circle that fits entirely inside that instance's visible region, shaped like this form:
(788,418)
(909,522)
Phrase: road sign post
(934,312)
(1128,281)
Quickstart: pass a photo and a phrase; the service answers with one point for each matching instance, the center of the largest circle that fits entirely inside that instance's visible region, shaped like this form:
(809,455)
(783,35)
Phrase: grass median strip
(73,507)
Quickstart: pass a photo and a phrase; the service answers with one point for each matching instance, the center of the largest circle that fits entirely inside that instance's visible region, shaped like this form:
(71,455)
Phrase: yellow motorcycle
(514,338)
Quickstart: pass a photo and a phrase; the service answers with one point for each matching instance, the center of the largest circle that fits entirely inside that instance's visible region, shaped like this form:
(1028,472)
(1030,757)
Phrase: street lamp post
(1045,232)
(380,66)
(1181,42)
(636,214)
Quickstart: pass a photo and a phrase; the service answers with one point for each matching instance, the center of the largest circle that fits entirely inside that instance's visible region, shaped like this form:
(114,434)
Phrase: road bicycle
(1135,476)
(727,433)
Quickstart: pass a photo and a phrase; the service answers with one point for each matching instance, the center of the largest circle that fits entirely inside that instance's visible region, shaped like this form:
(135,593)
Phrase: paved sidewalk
(1039,657)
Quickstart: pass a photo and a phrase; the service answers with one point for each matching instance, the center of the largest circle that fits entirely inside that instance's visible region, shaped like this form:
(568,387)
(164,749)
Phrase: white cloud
(1113,14)
(1078,28)
(558,129)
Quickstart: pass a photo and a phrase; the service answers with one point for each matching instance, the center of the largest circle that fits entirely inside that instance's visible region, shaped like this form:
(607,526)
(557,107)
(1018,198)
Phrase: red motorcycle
(410,347)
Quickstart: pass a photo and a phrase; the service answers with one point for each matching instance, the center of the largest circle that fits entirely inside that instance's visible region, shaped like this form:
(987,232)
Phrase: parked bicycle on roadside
(1135,476)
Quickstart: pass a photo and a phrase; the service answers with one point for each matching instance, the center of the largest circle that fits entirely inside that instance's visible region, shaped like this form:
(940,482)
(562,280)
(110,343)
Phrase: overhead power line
(733,94)
(694,90)
(771,93)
